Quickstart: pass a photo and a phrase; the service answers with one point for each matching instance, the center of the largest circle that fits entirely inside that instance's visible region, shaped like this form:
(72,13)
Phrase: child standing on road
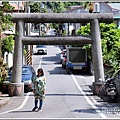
(39,90)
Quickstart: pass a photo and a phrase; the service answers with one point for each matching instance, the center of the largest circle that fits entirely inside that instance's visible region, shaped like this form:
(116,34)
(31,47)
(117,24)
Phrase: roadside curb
(4,99)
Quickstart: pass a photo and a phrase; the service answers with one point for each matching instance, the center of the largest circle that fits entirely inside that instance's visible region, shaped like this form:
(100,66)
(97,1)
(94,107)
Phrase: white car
(40,49)
(63,52)
(51,32)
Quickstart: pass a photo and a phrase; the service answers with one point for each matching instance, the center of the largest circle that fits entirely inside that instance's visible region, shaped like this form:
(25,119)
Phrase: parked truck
(77,59)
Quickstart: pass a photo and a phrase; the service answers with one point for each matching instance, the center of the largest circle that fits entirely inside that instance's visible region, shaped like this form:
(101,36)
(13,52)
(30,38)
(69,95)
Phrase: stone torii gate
(16,88)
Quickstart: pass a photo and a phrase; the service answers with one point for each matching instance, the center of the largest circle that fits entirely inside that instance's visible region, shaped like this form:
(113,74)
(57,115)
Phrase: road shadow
(21,111)
(51,58)
(90,110)
(56,95)
(58,70)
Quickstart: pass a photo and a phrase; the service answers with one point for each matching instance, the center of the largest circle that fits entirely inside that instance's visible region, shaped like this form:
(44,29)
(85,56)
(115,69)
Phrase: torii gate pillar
(97,56)
(16,88)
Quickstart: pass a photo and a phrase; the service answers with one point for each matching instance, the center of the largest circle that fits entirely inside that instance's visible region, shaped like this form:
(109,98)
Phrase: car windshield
(40,46)
(25,70)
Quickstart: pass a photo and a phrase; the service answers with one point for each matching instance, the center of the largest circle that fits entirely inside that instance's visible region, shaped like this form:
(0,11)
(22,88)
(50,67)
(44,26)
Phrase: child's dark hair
(41,70)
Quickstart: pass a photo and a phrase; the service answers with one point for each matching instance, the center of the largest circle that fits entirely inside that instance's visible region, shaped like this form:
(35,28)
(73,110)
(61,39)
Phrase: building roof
(114,6)
(72,8)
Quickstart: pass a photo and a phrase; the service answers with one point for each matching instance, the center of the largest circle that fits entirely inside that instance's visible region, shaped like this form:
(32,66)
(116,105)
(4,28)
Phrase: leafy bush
(7,44)
(3,70)
(110,41)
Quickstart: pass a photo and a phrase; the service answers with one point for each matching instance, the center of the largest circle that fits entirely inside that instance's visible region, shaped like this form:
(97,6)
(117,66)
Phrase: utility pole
(41,8)
(28,47)
(18,6)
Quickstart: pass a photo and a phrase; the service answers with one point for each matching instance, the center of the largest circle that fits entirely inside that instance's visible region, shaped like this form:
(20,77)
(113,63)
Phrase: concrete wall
(8,59)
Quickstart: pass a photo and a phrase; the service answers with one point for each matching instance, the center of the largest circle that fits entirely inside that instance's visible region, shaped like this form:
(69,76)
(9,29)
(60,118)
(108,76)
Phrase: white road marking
(84,94)
(58,49)
(21,106)
(40,61)
(87,99)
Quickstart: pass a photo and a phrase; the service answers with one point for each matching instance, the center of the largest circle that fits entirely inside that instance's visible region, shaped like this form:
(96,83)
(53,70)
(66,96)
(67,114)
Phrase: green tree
(110,41)
(5,44)
(59,7)
(36,7)
(5,14)
(5,21)
(3,70)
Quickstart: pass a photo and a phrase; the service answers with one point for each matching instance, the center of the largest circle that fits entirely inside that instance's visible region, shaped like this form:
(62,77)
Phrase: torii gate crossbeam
(56,40)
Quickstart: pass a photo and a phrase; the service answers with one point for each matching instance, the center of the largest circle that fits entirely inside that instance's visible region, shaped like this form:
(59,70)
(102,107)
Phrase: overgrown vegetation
(110,41)
(3,70)
(59,7)
(6,44)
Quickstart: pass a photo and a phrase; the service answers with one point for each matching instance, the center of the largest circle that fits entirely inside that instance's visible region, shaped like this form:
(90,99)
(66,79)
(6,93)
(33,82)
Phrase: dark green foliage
(3,70)
(59,7)
(36,7)
(7,44)
(110,41)
(5,11)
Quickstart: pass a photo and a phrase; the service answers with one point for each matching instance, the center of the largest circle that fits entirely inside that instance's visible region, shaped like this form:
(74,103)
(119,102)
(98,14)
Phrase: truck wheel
(64,67)
(67,70)
(91,71)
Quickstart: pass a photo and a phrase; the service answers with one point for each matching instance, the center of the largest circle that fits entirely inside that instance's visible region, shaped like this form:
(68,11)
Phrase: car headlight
(34,50)
(6,82)
(26,82)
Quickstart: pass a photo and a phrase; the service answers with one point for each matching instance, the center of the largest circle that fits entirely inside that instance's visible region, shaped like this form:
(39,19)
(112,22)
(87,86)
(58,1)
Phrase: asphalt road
(67,95)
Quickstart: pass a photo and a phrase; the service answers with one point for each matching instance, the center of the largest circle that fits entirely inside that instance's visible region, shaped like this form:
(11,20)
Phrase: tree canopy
(6,44)
(110,41)
(5,22)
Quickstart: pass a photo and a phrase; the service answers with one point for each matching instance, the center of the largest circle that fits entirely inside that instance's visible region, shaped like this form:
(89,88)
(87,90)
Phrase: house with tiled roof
(102,7)
(75,9)
(110,8)
(18,5)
